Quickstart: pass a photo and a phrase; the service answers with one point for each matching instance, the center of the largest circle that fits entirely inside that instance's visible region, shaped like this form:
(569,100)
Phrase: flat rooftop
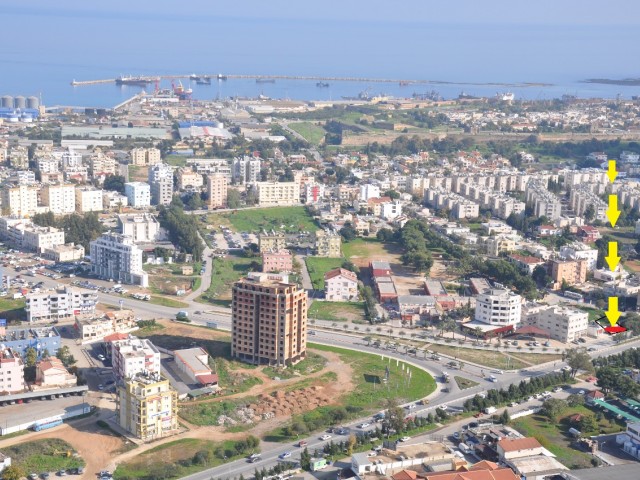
(13,415)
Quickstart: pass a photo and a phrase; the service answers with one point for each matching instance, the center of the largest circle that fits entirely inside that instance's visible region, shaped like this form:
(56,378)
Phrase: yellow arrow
(612,173)
(613,259)
(613,314)
(612,212)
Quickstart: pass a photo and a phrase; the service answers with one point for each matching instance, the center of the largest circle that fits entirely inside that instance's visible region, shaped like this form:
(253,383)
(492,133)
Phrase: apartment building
(582,199)
(268,320)
(11,371)
(22,177)
(564,324)
(217,190)
(116,257)
(498,307)
(211,166)
(541,201)
(340,285)
(61,199)
(575,178)
(277,261)
(92,328)
(138,194)
(88,200)
(572,272)
(145,157)
(111,200)
(141,227)
(278,193)
(369,191)
(47,165)
(391,210)
(63,303)
(161,184)
(188,179)
(271,241)
(20,200)
(132,356)
(147,406)
(101,165)
(313,193)
(328,244)
(38,239)
(580,251)
(458,206)
(501,244)
(246,170)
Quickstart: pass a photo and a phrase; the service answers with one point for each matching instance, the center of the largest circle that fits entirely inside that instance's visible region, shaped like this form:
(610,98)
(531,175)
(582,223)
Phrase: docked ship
(322,84)
(139,80)
(205,80)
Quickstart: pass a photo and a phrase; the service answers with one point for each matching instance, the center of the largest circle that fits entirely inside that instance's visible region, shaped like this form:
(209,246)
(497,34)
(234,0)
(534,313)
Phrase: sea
(45,49)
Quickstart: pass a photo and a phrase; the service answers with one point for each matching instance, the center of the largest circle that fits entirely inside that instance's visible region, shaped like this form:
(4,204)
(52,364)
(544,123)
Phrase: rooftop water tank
(7,101)
(33,102)
(20,102)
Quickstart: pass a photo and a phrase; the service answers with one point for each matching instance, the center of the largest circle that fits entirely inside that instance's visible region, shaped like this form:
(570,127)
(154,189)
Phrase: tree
(115,183)
(351,443)
(347,232)
(305,459)
(574,400)
(578,359)
(394,416)
(588,423)
(13,472)
(589,213)
(540,276)
(553,407)
(392,194)
(31,357)
(64,354)
(234,199)
(46,219)
(505,418)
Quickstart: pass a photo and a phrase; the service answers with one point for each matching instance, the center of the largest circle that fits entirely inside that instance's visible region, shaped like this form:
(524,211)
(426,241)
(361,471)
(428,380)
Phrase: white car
(363,425)
(581,392)
(285,455)
(325,437)
(405,439)
(443,407)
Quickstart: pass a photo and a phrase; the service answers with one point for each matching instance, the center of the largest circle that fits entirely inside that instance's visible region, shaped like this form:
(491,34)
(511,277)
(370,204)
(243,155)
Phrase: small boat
(222,77)
(322,84)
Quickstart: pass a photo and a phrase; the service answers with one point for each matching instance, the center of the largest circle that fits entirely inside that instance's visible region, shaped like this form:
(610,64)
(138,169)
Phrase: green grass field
(288,219)
(42,456)
(555,437)
(12,309)
(594,313)
(178,459)
(318,266)
(314,134)
(225,271)
(488,358)
(337,311)
(465,382)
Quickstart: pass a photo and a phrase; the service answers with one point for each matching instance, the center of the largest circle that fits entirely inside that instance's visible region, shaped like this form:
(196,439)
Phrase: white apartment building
(580,251)
(38,239)
(48,165)
(543,202)
(499,307)
(112,200)
(116,257)
(629,157)
(209,166)
(369,191)
(23,177)
(63,303)
(145,156)
(278,193)
(582,198)
(138,194)
(88,200)
(61,199)
(562,323)
(11,371)
(20,200)
(101,165)
(246,169)
(161,184)
(217,190)
(391,210)
(141,227)
(187,178)
(574,178)
(458,206)
(132,356)
(340,285)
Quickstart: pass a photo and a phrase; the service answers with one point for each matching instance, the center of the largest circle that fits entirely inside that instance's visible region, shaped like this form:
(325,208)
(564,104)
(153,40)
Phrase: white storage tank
(33,102)
(20,102)
(7,101)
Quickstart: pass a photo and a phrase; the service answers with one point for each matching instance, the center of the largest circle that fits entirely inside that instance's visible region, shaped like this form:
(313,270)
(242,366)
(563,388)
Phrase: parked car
(325,437)
(405,439)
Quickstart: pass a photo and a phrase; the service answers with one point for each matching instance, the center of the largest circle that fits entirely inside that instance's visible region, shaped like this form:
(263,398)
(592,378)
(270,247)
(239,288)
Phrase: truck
(490,410)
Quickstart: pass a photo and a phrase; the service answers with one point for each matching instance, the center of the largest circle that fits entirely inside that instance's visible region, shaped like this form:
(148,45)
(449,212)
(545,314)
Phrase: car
(101,357)
(302,443)
(62,473)
(198,312)
(443,407)
(254,455)
(405,439)
(557,389)
(101,387)
(254,459)
(284,455)
(513,404)
(582,340)
(412,406)
(33,476)
(325,437)
(311,332)
(364,425)
(44,475)
(581,392)
(591,349)
(341,431)
(499,372)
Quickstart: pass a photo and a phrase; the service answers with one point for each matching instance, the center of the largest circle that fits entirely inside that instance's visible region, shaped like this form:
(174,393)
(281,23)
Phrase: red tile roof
(405,475)
(340,271)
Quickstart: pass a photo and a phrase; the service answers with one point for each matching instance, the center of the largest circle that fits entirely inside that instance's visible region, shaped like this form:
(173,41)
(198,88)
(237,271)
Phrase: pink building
(11,372)
(279,261)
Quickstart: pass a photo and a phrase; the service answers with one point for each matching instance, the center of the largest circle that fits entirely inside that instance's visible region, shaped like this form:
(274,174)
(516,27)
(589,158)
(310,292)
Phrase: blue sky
(541,12)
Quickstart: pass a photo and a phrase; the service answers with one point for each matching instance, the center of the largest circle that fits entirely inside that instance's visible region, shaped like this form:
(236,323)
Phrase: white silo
(33,102)
(7,101)
(20,102)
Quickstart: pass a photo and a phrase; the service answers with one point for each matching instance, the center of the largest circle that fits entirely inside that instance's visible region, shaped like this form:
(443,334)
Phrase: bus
(574,296)
(47,424)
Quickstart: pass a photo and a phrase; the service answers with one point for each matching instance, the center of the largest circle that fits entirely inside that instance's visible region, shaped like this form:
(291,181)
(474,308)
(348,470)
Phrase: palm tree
(378,329)
(390,331)
(402,333)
